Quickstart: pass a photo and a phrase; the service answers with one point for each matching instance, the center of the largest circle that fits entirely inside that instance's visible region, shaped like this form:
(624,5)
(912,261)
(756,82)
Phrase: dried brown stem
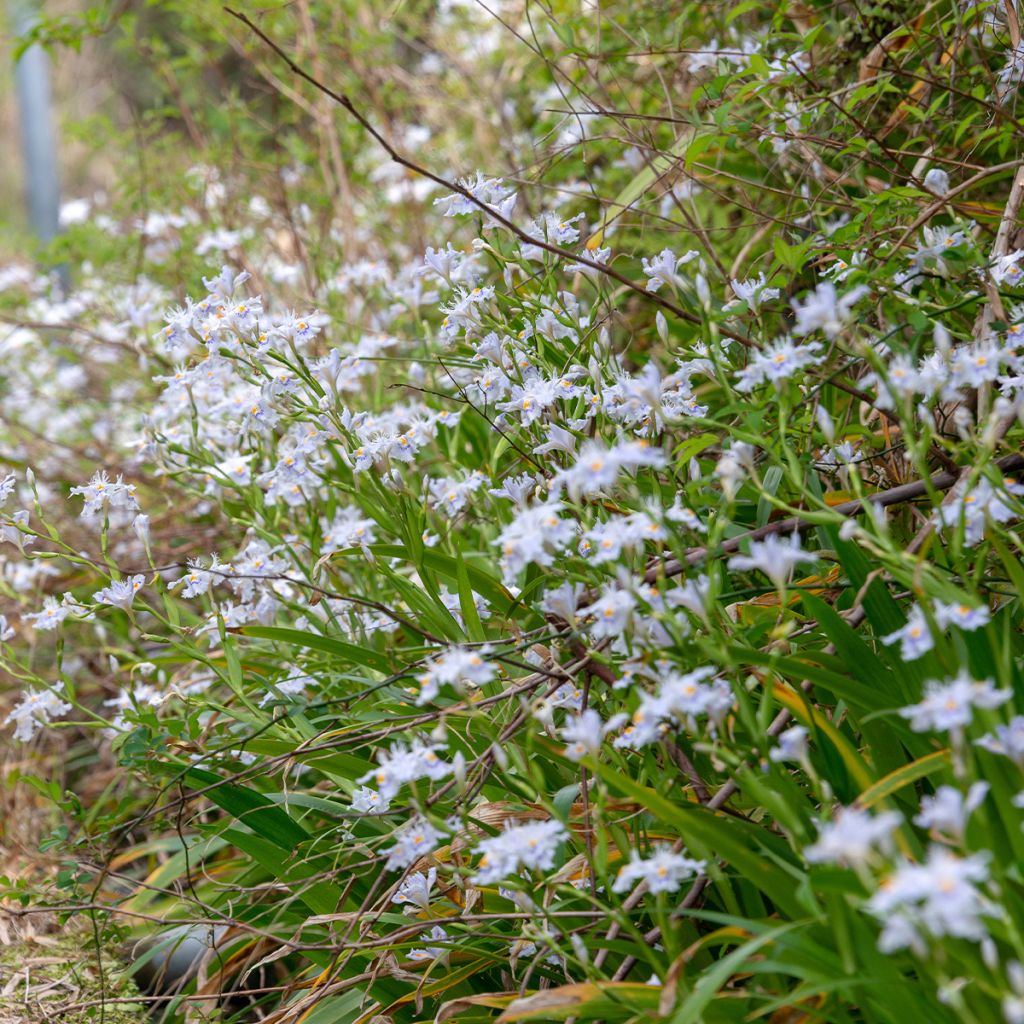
(797,524)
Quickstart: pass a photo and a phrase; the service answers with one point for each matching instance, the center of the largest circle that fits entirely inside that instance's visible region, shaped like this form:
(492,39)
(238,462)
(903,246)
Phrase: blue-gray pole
(32,79)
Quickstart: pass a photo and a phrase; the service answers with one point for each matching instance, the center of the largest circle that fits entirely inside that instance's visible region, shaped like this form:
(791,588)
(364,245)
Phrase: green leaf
(692,446)
(586,1000)
(772,478)
(251,808)
(739,844)
(342,649)
(711,981)
(467,602)
(483,583)
(640,183)
(862,662)
(882,610)
(342,1009)
(796,669)
(894,781)
(1011,563)
(321,897)
(430,613)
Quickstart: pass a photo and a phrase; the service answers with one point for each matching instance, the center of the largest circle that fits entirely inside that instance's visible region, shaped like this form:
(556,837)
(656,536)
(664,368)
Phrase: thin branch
(798,524)
(524,236)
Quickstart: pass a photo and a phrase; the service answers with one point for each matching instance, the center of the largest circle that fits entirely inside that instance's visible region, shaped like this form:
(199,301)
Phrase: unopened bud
(963,420)
(1015,975)
(662,324)
(703,291)
(937,181)
(140,524)
(827,427)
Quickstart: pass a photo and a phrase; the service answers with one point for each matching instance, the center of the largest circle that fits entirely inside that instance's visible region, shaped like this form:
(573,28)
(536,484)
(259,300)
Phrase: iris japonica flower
(774,557)
(531,846)
(662,871)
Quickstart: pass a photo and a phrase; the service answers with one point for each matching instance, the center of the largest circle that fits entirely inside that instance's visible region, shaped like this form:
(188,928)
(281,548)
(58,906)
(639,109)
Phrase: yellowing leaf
(895,781)
(609,1000)
(639,185)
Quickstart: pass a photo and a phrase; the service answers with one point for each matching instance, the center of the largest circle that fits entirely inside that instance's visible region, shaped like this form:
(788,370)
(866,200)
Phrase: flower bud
(936,181)
(963,420)
(703,291)
(579,947)
(827,427)
(140,524)
(459,769)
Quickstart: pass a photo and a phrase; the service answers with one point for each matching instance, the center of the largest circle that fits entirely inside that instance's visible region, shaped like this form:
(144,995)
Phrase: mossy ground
(60,980)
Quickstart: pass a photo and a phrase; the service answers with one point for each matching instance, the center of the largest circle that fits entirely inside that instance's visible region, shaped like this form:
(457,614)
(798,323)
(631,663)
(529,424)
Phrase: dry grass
(48,972)
(25,819)
(57,979)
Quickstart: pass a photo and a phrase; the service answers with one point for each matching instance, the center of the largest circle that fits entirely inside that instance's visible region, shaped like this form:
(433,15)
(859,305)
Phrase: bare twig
(453,186)
(797,524)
